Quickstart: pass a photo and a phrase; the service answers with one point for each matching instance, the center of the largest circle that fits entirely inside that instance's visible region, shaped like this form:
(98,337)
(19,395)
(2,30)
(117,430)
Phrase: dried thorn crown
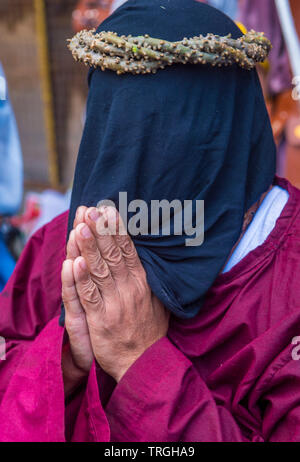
(144,54)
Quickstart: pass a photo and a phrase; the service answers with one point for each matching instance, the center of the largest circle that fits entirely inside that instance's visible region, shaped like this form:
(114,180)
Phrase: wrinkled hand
(78,363)
(123,317)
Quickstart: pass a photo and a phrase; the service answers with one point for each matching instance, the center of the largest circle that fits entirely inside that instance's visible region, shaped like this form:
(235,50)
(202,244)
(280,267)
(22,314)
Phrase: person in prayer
(159,341)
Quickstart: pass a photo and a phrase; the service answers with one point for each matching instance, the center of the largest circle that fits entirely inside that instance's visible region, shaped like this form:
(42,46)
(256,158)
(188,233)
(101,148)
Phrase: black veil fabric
(188,133)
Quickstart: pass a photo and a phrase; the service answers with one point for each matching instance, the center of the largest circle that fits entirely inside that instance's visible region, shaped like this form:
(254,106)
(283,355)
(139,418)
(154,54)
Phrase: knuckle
(128,247)
(91,247)
(103,281)
(97,267)
(102,275)
(89,294)
(110,322)
(129,252)
(113,255)
(95,261)
(108,326)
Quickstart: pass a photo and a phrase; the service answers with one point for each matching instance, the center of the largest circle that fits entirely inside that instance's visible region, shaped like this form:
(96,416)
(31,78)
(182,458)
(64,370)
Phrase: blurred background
(43,94)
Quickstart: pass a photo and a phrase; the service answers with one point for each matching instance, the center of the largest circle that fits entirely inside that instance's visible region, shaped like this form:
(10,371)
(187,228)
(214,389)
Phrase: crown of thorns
(144,54)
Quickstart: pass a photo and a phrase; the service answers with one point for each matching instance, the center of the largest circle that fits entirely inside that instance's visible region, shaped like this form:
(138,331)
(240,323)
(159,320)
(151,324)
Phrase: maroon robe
(228,375)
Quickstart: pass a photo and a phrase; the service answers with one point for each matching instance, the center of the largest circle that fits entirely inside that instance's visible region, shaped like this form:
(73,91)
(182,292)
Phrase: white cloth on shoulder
(262,225)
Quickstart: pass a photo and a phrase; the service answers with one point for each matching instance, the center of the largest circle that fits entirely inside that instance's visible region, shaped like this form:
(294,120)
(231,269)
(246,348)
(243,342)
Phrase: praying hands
(111,313)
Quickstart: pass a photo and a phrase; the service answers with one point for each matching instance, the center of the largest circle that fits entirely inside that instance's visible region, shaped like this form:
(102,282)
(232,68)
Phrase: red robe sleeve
(32,400)
(162,398)
(32,296)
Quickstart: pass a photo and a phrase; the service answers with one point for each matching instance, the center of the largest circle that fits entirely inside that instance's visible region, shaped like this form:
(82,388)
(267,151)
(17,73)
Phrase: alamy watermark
(161,218)
(296,349)
(2,349)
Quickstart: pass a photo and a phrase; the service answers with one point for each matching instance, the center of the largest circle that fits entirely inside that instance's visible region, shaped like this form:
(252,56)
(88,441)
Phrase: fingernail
(94,215)
(85,232)
(79,211)
(101,226)
(102,209)
(82,264)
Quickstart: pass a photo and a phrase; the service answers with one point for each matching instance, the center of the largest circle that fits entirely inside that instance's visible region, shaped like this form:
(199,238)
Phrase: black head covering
(188,132)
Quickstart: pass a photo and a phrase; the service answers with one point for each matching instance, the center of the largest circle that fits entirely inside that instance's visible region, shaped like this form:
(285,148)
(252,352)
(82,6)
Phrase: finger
(69,294)
(102,224)
(126,245)
(97,267)
(87,290)
(79,217)
(72,247)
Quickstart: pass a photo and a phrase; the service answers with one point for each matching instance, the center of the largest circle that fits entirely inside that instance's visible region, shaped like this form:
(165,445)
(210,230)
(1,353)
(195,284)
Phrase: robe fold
(230,374)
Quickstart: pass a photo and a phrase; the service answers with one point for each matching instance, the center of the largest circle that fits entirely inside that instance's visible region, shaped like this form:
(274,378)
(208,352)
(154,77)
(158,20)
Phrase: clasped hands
(110,312)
